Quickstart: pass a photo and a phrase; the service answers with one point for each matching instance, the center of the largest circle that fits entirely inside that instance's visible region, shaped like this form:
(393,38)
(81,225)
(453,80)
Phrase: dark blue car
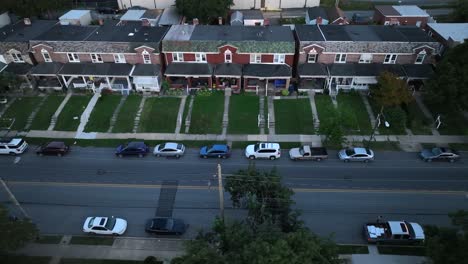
(139,149)
(215,151)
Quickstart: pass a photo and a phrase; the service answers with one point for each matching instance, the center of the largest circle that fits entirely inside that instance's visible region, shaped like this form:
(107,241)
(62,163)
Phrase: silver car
(356,154)
(169,149)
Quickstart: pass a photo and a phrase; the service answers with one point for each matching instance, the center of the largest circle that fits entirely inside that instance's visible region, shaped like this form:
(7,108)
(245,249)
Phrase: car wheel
(115,234)
(120,155)
(177,156)
(219,156)
(59,154)
(252,157)
(92,233)
(223,157)
(140,155)
(204,156)
(272,158)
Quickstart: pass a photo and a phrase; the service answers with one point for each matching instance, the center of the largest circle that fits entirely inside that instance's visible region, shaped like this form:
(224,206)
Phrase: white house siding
(150,4)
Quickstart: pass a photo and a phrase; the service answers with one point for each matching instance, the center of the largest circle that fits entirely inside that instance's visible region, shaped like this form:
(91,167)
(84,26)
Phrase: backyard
(69,118)
(20,110)
(207,114)
(243,114)
(99,121)
(293,116)
(160,115)
(354,116)
(126,117)
(44,115)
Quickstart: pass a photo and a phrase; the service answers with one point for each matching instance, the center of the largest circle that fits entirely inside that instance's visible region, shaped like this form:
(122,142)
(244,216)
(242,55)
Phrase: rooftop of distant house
(401,10)
(456,31)
(20,32)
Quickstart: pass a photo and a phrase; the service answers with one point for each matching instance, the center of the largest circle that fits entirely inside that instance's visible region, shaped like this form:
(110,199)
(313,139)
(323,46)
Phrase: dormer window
(365,58)
(420,58)
(146,57)
(73,57)
(119,58)
(340,58)
(96,58)
(228,56)
(200,57)
(312,57)
(177,56)
(46,55)
(390,59)
(17,57)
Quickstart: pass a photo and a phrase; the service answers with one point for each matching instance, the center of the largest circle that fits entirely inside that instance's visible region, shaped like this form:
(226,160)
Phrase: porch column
(108,83)
(238,83)
(217,81)
(65,81)
(245,83)
(210,82)
(129,83)
(84,80)
(189,81)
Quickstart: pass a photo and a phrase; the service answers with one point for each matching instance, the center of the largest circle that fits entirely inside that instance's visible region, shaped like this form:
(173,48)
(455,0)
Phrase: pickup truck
(394,232)
(307,152)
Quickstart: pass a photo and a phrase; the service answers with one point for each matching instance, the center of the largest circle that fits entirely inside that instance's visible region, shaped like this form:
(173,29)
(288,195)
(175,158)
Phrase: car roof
(360,151)
(12,141)
(136,144)
(99,221)
(220,147)
(56,144)
(269,145)
(170,145)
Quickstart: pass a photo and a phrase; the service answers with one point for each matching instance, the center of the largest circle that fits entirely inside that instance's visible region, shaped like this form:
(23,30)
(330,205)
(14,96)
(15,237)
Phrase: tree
(448,88)
(391,91)
(460,12)
(207,11)
(33,8)
(331,127)
(9,82)
(15,233)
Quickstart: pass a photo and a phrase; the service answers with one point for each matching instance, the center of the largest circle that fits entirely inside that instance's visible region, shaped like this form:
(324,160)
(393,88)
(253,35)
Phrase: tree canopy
(15,233)
(207,11)
(449,86)
(391,91)
(460,12)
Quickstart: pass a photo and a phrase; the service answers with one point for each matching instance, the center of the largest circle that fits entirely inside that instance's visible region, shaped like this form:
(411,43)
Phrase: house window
(390,58)
(146,57)
(340,58)
(73,57)
(177,56)
(278,58)
(420,58)
(96,58)
(228,56)
(46,55)
(255,58)
(119,58)
(312,57)
(200,57)
(365,58)
(17,57)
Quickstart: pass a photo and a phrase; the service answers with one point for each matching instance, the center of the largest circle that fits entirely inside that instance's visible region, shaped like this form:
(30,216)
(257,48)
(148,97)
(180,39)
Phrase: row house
(222,56)
(114,57)
(353,56)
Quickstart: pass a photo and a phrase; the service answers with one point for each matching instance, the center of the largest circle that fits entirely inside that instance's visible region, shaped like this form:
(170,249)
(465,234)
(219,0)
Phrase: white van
(13,146)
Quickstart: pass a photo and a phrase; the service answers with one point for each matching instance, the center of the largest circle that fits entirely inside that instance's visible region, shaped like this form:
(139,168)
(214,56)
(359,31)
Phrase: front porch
(45,76)
(189,75)
(312,77)
(267,79)
(417,74)
(22,71)
(228,75)
(147,78)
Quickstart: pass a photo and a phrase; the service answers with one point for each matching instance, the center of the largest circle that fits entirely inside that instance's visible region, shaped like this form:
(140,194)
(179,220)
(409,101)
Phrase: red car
(57,148)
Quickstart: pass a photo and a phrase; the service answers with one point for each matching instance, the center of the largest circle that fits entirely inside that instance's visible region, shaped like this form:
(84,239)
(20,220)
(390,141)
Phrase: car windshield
(161,147)
(110,223)
(368,152)
(179,146)
(256,147)
(301,150)
(349,152)
(436,151)
(163,223)
(19,144)
(209,148)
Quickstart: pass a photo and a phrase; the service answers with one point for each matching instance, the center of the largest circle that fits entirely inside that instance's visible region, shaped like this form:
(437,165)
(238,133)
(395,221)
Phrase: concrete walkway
(116,113)
(136,123)
(226,114)
(375,257)
(270,120)
(313,106)
(85,116)
(261,114)
(180,114)
(188,118)
(53,121)
(365,100)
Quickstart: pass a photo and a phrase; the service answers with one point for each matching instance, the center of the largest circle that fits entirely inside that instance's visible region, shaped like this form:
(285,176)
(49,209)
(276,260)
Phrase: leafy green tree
(332,128)
(207,11)
(460,12)
(33,8)
(15,234)
(391,91)
(448,88)
(9,82)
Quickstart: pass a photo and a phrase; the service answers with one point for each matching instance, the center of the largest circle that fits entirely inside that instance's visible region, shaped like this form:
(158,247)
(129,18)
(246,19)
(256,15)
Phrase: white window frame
(17,57)
(119,58)
(312,58)
(340,58)
(200,57)
(255,58)
(46,55)
(390,58)
(146,57)
(96,58)
(420,57)
(178,56)
(279,58)
(73,57)
(364,60)
(227,56)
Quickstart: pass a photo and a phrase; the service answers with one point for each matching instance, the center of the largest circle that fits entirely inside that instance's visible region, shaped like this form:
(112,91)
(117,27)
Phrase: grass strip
(20,110)
(20,259)
(160,115)
(100,118)
(126,117)
(243,114)
(49,239)
(293,116)
(207,114)
(352,249)
(44,115)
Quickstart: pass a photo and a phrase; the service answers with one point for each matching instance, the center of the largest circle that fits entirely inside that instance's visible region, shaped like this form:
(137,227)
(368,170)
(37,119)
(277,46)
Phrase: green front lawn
(20,110)
(126,117)
(159,115)
(323,104)
(92,240)
(44,116)
(69,118)
(207,114)
(243,114)
(416,120)
(402,250)
(99,121)
(354,116)
(293,116)
(98,261)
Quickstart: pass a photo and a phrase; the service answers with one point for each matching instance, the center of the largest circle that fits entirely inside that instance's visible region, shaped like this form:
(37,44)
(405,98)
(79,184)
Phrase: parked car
(169,149)
(105,225)
(442,154)
(57,148)
(215,151)
(13,146)
(307,152)
(394,232)
(166,226)
(138,148)
(263,150)
(356,154)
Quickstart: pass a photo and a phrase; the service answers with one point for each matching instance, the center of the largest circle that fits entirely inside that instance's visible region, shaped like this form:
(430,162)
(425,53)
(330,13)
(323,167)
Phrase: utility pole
(221,192)
(13,198)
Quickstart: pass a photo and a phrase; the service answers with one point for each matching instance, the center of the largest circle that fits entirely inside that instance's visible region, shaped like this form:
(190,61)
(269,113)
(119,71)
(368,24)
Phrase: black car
(439,154)
(57,148)
(136,148)
(166,226)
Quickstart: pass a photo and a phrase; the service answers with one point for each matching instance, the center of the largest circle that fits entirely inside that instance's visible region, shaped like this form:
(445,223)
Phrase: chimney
(195,21)
(220,20)
(101,22)
(319,21)
(27,21)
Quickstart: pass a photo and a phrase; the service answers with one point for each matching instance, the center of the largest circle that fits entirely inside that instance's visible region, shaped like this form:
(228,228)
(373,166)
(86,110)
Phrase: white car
(263,150)
(356,154)
(13,146)
(105,225)
(169,149)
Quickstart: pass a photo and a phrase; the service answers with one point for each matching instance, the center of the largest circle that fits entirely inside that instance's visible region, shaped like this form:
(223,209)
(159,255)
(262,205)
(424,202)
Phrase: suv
(13,146)
(263,151)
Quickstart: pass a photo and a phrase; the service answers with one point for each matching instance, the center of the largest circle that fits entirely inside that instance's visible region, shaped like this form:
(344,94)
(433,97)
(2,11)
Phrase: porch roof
(47,68)
(364,69)
(2,66)
(312,70)
(18,68)
(228,69)
(267,70)
(146,70)
(96,69)
(418,71)
(189,69)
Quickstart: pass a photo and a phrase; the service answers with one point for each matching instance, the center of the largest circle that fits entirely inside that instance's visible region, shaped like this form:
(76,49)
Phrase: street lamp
(377,124)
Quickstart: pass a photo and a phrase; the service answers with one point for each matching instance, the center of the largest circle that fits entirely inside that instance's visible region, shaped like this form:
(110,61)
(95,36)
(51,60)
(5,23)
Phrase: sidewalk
(375,257)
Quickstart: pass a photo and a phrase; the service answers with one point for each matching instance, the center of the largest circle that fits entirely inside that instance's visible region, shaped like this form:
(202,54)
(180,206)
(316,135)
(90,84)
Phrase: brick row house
(254,58)
(347,57)
(114,57)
